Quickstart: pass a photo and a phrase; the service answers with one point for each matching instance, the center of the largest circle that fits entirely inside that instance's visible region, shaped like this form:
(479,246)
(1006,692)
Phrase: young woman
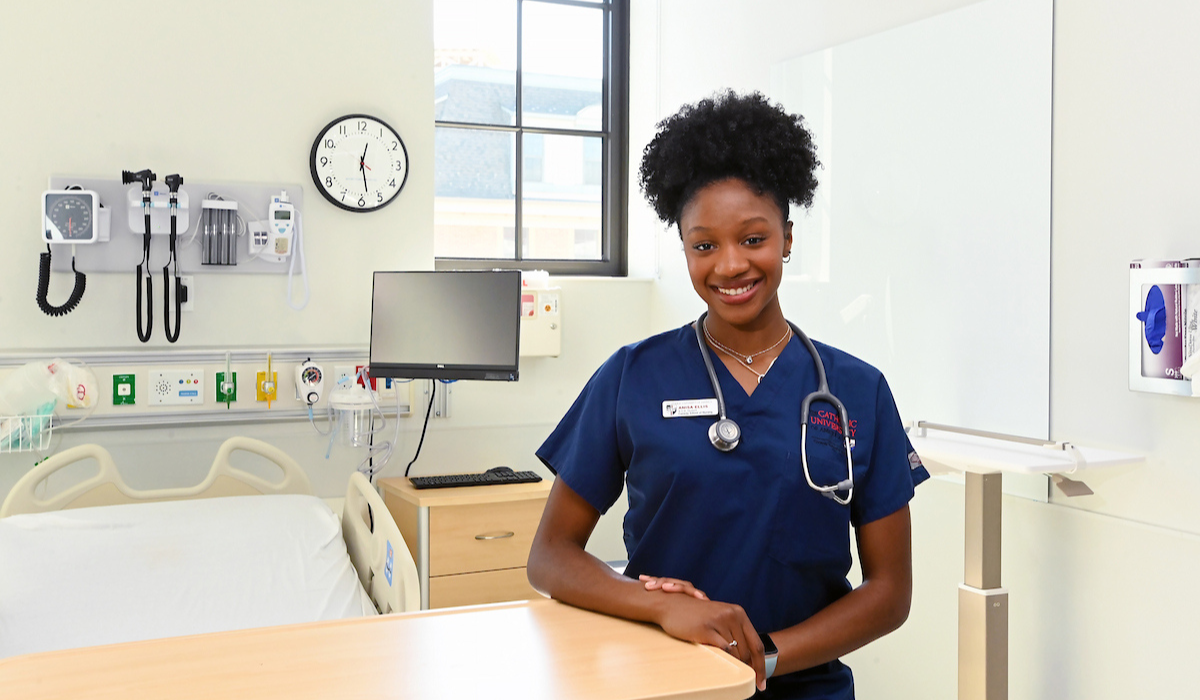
(737,537)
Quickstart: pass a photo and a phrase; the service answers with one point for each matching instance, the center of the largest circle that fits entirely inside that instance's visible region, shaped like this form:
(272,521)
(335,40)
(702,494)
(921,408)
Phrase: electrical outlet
(385,390)
(374,381)
(263,392)
(342,375)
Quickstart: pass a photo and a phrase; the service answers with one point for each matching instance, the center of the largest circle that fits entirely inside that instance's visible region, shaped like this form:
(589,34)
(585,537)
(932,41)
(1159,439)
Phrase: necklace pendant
(749,360)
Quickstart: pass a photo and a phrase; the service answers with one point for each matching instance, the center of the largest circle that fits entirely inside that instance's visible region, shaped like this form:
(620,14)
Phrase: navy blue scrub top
(743,526)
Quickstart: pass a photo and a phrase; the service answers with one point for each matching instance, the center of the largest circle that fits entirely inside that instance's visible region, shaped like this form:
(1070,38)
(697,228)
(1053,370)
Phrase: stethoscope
(725,434)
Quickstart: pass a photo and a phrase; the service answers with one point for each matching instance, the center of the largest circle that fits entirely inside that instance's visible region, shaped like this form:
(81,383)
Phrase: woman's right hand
(721,625)
(671,585)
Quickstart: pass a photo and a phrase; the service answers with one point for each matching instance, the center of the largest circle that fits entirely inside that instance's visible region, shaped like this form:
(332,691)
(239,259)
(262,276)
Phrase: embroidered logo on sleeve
(914,460)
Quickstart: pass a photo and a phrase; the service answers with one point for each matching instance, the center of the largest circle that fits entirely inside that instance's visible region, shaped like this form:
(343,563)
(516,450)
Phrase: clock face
(359,163)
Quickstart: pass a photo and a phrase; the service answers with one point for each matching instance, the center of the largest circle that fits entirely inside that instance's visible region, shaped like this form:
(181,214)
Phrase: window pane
(560,205)
(475,61)
(562,66)
(474,206)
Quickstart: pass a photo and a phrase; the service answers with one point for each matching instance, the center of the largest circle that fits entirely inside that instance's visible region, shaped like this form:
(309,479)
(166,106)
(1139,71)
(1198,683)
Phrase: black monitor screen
(446,325)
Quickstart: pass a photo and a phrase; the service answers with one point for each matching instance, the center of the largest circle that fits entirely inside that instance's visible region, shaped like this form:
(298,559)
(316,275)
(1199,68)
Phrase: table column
(982,601)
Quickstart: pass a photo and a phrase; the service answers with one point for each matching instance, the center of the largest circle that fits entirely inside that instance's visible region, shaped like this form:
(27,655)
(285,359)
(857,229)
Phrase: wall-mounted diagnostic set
(227,233)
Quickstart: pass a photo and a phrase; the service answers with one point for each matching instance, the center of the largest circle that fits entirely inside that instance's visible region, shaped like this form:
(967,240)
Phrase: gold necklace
(738,356)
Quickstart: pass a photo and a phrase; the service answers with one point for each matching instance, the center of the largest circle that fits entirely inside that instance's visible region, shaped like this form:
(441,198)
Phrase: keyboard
(495,475)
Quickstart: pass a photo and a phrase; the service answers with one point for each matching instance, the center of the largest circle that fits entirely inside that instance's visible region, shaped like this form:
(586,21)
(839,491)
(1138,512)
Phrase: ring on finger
(731,645)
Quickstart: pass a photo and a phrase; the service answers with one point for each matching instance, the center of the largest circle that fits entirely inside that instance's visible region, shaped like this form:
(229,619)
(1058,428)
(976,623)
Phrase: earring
(787,258)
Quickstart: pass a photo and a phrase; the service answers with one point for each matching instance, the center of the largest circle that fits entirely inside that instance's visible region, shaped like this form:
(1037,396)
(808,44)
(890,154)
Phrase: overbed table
(530,650)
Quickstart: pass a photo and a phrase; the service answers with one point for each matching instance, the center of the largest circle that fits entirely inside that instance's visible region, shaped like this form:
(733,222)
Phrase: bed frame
(376,548)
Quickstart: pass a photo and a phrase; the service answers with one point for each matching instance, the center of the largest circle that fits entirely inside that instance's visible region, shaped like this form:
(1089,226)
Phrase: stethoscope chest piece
(724,434)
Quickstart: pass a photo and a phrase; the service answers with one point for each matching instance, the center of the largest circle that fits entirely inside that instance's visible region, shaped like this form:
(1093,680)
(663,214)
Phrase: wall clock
(359,163)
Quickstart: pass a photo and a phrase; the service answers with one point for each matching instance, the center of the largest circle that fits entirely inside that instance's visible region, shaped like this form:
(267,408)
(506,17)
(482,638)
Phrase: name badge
(688,408)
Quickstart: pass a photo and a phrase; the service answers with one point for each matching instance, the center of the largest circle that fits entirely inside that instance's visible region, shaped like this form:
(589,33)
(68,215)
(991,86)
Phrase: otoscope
(146,177)
(173,183)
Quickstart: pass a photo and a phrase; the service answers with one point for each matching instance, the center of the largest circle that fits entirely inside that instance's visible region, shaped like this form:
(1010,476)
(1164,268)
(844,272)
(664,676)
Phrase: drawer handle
(496,536)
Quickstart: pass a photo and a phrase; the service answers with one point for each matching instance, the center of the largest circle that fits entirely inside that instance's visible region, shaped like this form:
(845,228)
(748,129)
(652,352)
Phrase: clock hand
(365,188)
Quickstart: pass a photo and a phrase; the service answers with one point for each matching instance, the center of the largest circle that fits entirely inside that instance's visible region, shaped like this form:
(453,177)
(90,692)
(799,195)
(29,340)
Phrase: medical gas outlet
(267,389)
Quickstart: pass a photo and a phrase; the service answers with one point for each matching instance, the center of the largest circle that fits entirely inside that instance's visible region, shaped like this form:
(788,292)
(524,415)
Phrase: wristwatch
(770,652)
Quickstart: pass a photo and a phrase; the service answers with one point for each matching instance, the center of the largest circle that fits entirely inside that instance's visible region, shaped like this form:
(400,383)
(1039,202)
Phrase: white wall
(1100,601)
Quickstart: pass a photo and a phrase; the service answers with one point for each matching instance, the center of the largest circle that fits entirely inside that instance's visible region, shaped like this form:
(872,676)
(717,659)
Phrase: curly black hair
(729,136)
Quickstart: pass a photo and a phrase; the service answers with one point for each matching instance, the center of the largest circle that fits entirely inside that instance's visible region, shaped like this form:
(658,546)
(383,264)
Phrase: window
(530,110)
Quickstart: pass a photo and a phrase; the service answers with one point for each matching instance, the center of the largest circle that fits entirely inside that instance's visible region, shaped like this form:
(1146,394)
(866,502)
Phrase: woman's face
(735,241)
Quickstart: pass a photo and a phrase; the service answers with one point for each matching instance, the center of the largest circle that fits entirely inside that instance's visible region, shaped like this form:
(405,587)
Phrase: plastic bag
(29,395)
(74,385)
(26,405)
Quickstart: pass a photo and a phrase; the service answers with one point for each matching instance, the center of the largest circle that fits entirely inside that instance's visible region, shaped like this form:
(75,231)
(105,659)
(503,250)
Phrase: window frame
(614,133)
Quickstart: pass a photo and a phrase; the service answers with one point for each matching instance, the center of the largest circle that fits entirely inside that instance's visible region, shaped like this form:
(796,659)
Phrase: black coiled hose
(44,288)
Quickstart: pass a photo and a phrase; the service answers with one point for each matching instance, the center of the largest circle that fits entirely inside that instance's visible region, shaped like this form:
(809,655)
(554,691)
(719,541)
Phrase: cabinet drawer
(482,537)
(480,588)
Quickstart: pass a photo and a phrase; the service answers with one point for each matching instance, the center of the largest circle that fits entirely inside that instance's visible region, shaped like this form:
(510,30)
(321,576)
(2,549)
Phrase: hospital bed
(99,562)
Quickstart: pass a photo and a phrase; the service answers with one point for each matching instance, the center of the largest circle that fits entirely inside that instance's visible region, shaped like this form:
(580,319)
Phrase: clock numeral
(342,129)
(328,143)
(392,182)
(379,196)
(362,126)
(343,195)
(395,144)
(324,161)
(399,165)
(362,202)
(328,181)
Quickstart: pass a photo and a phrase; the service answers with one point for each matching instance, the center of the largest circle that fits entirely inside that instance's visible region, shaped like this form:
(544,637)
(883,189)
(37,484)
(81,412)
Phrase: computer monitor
(446,325)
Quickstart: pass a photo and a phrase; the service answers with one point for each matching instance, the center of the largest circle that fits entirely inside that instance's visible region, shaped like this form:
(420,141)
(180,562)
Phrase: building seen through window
(528,146)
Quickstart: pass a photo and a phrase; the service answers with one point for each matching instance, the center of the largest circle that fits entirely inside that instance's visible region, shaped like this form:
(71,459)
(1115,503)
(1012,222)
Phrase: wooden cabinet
(470,543)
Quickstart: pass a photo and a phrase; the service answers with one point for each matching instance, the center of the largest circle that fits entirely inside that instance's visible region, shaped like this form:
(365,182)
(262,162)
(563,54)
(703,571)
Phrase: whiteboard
(927,250)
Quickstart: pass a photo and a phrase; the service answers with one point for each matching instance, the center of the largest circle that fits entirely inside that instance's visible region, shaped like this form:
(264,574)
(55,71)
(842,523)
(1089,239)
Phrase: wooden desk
(528,650)
(470,543)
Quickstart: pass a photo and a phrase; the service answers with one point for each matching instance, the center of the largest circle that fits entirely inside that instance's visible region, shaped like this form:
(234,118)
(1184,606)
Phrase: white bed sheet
(92,576)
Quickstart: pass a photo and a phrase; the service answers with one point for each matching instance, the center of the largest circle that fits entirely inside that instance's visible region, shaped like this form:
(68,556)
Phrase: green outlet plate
(124,393)
(223,397)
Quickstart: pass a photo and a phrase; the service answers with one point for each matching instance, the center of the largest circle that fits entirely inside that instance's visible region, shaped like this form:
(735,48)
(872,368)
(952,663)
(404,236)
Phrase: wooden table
(529,650)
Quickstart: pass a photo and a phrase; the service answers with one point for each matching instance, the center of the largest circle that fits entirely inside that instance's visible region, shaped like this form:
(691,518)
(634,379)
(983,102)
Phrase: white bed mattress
(121,573)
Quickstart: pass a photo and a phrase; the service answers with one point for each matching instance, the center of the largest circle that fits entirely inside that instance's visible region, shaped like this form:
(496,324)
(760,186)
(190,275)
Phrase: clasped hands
(691,616)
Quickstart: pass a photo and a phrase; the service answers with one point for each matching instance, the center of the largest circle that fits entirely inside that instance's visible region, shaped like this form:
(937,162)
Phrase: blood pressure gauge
(70,216)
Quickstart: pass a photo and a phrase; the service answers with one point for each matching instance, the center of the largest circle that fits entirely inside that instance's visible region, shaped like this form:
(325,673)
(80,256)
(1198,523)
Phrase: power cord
(428,410)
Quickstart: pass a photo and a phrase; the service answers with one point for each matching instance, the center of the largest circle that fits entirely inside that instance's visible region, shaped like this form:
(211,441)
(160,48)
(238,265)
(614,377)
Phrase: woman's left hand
(672,585)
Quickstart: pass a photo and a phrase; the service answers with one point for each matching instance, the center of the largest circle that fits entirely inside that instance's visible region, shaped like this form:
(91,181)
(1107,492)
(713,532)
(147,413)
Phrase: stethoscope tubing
(821,394)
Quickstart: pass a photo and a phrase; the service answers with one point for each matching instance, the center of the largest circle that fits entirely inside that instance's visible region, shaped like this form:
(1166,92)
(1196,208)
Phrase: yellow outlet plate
(261,392)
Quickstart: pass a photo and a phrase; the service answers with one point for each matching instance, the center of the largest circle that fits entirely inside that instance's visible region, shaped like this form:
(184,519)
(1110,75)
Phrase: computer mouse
(500,471)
